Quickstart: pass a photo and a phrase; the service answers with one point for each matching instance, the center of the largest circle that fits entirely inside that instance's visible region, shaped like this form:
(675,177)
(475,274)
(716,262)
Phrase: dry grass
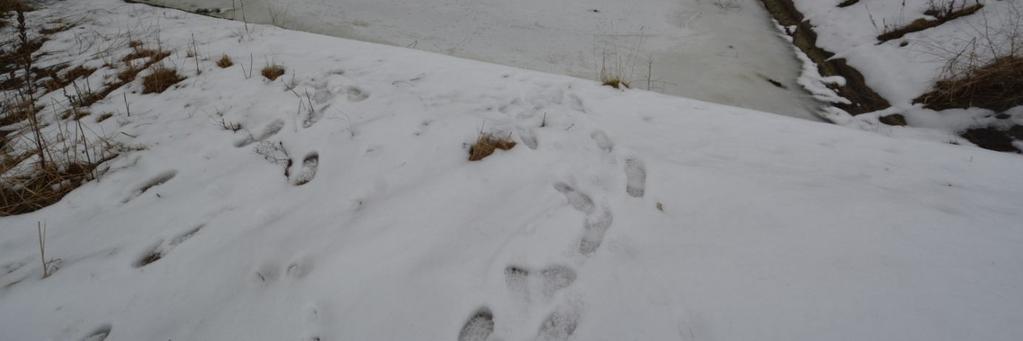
(44,187)
(224,62)
(616,83)
(922,24)
(997,86)
(57,82)
(272,71)
(160,79)
(140,52)
(487,143)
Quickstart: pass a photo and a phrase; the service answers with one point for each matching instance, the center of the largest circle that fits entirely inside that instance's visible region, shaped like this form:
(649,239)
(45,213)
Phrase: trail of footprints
(524,283)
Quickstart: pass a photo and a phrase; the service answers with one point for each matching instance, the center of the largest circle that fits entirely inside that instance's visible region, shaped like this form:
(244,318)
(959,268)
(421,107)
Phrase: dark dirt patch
(994,139)
(863,98)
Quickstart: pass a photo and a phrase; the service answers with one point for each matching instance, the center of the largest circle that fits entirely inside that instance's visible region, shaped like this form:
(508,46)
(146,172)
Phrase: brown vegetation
(224,62)
(160,79)
(997,86)
(487,143)
(272,71)
(941,16)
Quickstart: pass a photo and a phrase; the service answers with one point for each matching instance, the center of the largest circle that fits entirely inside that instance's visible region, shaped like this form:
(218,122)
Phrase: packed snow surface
(345,209)
(723,51)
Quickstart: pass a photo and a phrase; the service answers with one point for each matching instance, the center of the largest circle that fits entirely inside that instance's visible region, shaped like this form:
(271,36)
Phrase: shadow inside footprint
(310,163)
(157,180)
(99,334)
(356,94)
(478,327)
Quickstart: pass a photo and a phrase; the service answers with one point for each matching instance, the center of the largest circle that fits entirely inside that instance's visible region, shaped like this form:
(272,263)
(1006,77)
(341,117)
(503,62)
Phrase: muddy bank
(863,98)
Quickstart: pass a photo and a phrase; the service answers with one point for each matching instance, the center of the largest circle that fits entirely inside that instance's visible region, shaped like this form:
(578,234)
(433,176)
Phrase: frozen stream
(721,51)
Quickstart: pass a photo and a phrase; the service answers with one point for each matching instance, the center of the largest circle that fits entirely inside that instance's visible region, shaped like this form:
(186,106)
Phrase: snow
(713,50)
(621,215)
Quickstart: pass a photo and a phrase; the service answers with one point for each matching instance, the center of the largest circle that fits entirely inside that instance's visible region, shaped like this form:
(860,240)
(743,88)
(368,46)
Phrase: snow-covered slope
(721,51)
(621,215)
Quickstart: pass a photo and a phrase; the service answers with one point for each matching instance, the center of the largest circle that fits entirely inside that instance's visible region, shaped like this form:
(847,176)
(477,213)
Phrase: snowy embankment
(620,215)
(902,68)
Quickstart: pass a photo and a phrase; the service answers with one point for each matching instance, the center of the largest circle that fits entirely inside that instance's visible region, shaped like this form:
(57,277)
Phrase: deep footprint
(161,249)
(271,129)
(594,229)
(157,180)
(580,201)
(99,334)
(635,177)
(478,327)
(310,164)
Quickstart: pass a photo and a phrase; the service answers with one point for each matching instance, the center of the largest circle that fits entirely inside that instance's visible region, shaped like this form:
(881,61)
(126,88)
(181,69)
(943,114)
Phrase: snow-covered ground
(620,215)
(721,51)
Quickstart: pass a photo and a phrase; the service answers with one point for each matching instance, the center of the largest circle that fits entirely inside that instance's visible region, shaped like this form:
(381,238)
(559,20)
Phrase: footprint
(576,103)
(356,95)
(578,200)
(312,116)
(157,180)
(517,279)
(635,177)
(559,325)
(594,229)
(528,137)
(603,142)
(269,130)
(310,164)
(161,249)
(99,334)
(298,269)
(478,327)
(556,277)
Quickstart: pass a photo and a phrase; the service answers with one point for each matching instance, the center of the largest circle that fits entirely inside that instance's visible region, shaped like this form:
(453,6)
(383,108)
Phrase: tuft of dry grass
(272,71)
(921,24)
(224,62)
(140,52)
(487,143)
(44,187)
(57,82)
(160,79)
(996,86)
(615,83)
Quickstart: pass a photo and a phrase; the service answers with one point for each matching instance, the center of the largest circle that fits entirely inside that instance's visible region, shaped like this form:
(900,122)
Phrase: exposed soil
(863,98)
